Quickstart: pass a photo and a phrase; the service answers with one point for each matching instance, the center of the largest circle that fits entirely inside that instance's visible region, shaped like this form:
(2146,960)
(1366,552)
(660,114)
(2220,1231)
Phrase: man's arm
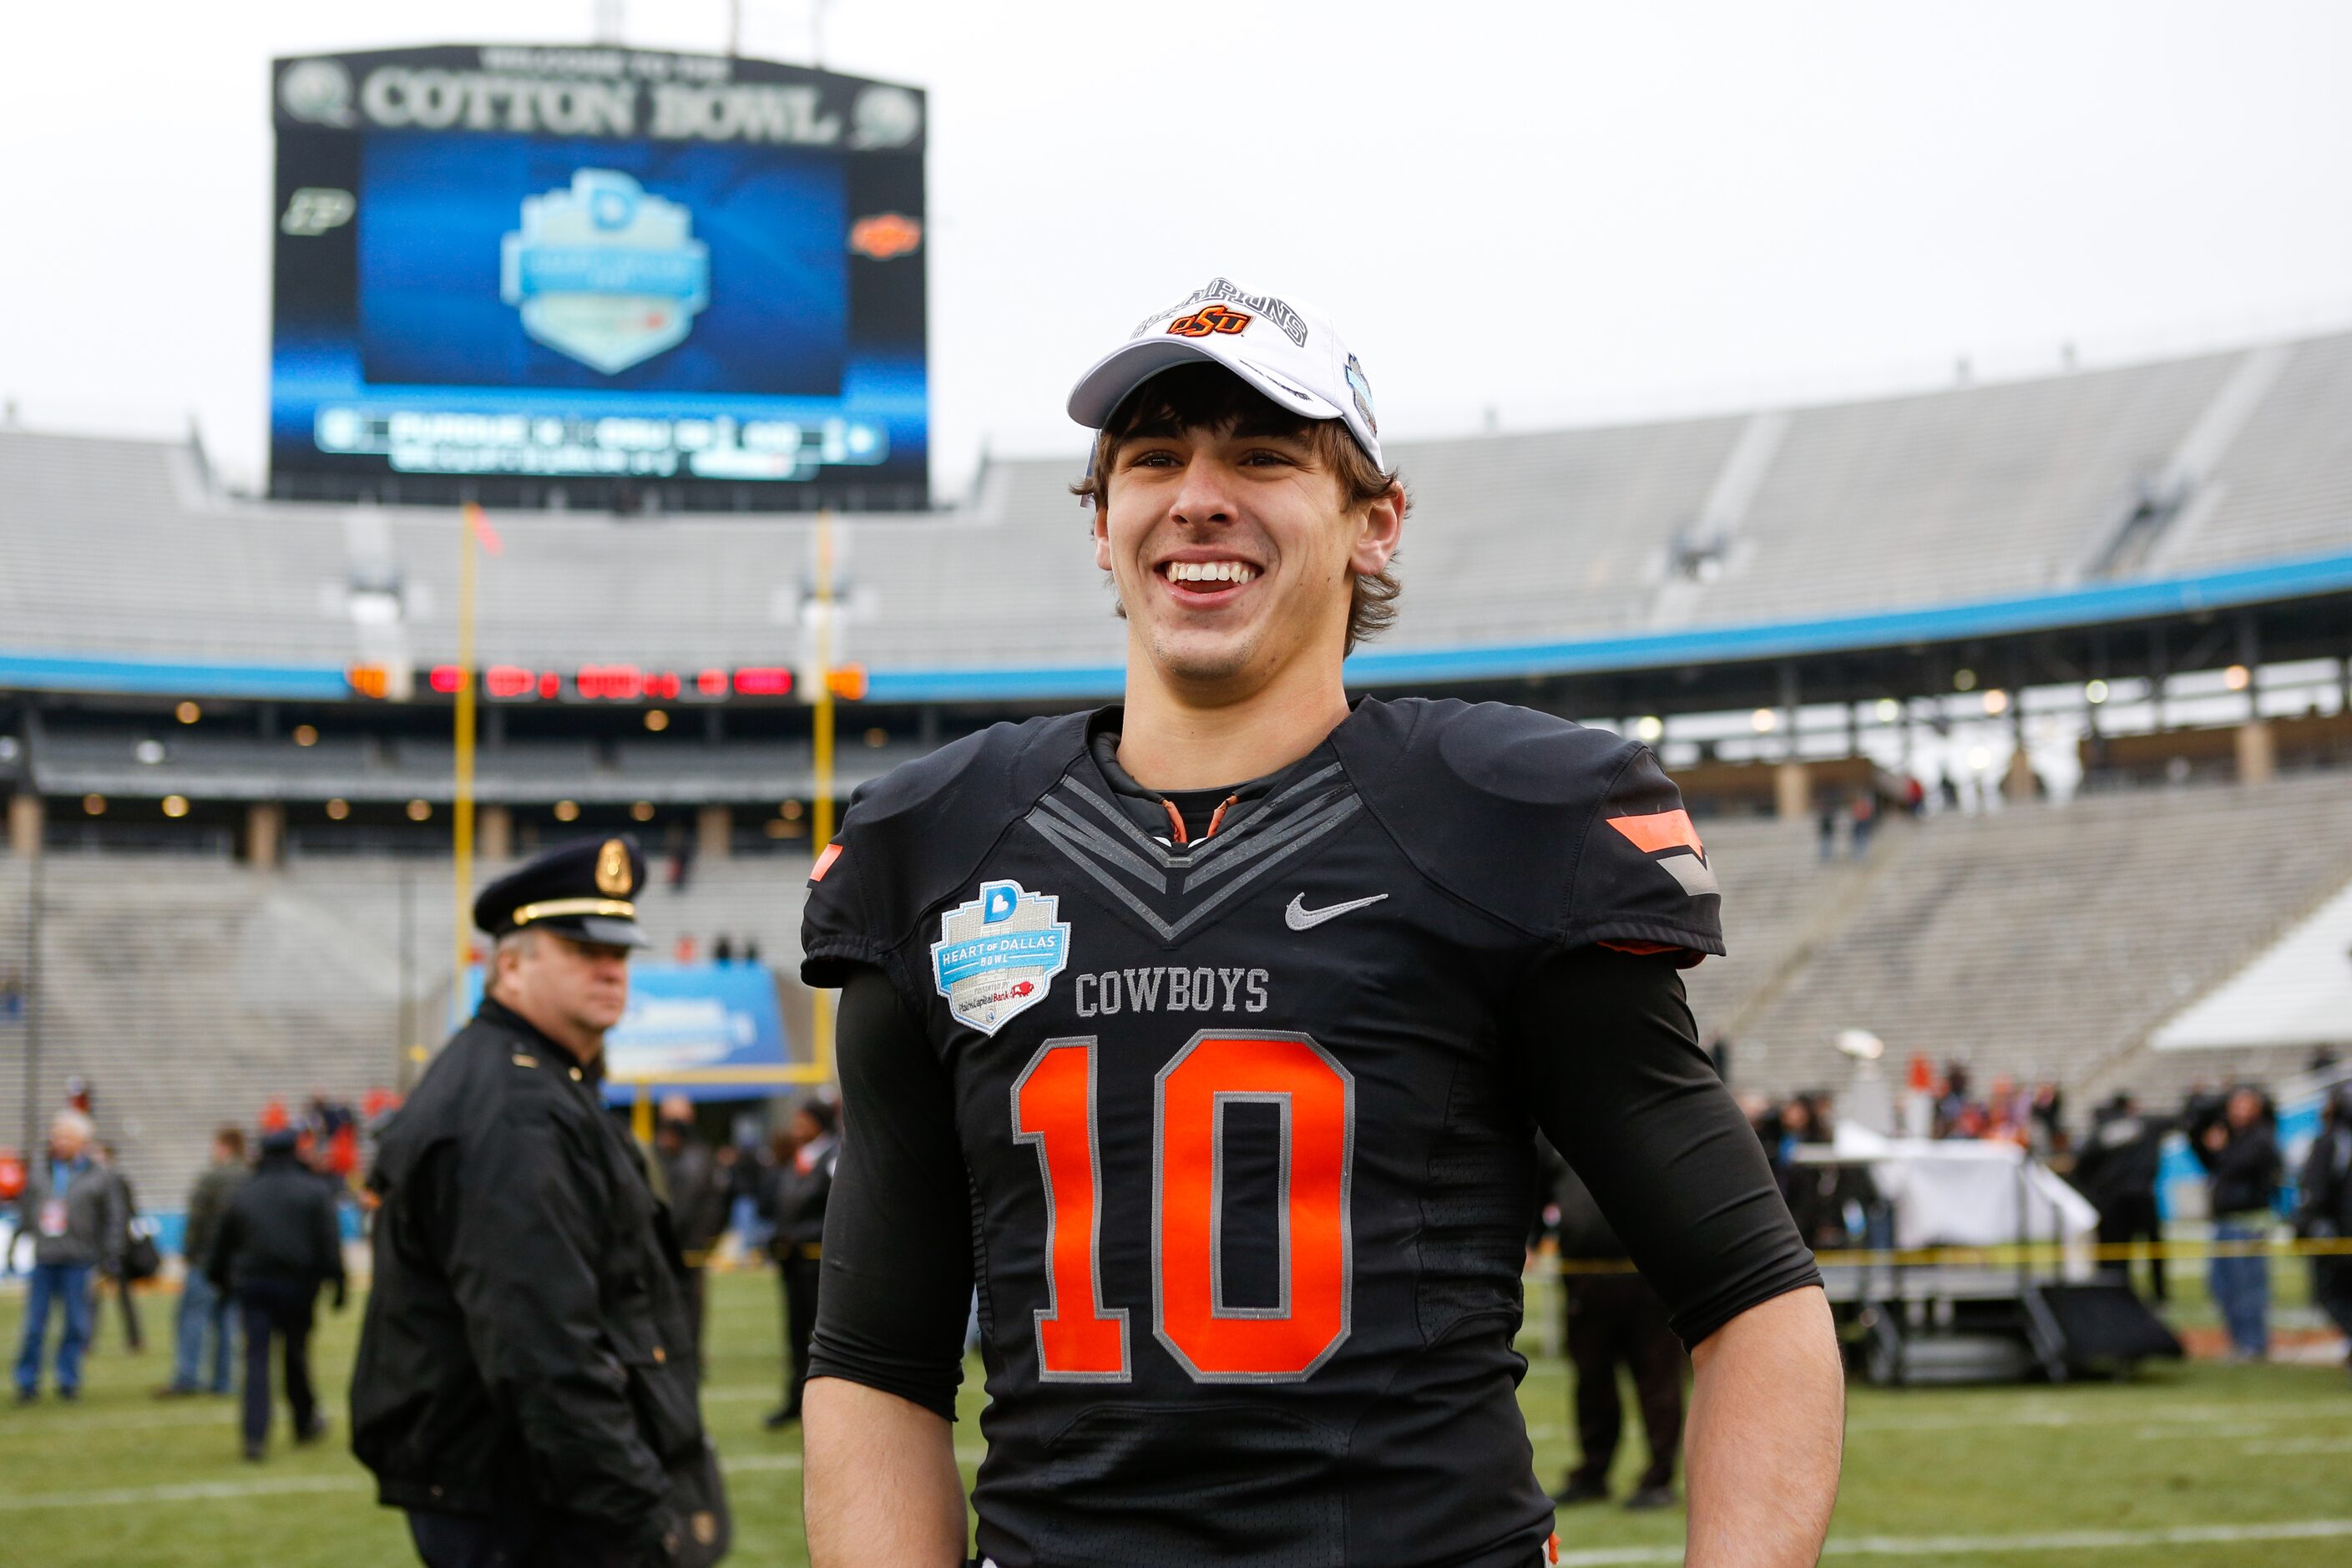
(327,1231)
(1766,1435)
(227,1239)
(881,1478)
(887,1354)
(1611,1064)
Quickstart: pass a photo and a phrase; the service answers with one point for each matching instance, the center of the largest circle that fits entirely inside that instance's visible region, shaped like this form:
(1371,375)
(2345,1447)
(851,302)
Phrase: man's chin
(1201,660)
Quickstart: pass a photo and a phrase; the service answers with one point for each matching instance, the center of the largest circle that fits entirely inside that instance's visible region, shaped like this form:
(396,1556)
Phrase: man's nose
(1206,495)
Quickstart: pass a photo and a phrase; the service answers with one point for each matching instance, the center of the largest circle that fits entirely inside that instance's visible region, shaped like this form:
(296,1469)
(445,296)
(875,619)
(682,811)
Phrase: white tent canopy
(2296,992)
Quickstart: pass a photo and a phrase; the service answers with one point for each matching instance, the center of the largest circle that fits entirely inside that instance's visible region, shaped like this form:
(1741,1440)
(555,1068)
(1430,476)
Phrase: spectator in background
(751,950)
(1825,824)
(12,1189)
(1824,1199)
(2239,1152)
(800,1186)
(71,1207)
(2117,1170)
(2324,1209)
(115,1271)
(278,1242)
(202,1307)
(722,950)
(697,1192)
(1614,1316)
(1865,818)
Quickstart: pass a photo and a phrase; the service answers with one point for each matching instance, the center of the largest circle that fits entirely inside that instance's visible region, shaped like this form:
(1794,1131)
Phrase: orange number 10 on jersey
(1080,1338)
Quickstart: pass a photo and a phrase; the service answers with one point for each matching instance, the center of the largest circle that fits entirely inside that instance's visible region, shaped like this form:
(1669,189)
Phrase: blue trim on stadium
(2152,599)
(170,678)
(2267,581)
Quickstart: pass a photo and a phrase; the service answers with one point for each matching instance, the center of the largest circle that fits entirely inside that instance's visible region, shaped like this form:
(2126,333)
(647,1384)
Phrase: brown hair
(233,1140)
(1208,397)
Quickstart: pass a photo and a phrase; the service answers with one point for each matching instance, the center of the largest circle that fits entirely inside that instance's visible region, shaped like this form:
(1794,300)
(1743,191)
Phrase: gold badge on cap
(613,867)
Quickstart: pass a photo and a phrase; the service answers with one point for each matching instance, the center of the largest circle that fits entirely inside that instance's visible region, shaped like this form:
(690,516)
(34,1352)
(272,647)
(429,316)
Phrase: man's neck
(583,1046)
(1173,739)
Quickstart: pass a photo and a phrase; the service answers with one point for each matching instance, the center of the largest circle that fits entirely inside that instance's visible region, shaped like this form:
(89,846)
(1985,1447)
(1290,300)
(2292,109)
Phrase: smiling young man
(1210,1033)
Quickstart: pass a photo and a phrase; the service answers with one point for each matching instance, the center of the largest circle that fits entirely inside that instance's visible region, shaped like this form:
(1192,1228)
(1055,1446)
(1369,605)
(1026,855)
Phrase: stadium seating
(2049,941)
(112,547)
(72,761)
(2284,487)
(189,991)
(2041,942)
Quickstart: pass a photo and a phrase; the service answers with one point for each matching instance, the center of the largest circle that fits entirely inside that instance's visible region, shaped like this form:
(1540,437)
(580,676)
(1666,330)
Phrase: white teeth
(1211,572)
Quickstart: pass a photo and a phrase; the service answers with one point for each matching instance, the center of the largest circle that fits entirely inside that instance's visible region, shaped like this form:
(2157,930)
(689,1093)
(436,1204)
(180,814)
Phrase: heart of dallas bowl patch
(999,953)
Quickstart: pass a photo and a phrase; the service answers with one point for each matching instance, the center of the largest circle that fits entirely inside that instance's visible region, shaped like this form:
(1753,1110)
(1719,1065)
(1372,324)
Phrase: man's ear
(1100,528)
(1378,538)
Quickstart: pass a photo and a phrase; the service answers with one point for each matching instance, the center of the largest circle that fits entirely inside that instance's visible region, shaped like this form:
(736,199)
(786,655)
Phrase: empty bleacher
(128,762)
(2050,942)
(114,547)
(1978,493)
(190,991)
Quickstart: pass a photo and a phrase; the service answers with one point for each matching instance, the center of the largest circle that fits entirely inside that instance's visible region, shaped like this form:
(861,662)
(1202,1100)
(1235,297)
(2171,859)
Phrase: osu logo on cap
(1209,318)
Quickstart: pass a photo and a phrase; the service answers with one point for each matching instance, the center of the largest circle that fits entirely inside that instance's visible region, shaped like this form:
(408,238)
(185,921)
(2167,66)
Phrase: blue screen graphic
(655,268)
(709,293)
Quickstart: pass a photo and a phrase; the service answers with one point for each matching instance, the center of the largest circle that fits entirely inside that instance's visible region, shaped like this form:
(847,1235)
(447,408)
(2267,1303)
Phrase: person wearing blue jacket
(71,1206)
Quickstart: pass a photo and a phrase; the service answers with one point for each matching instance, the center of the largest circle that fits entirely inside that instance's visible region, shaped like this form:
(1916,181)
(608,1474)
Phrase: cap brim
(1104,387)
(605,930)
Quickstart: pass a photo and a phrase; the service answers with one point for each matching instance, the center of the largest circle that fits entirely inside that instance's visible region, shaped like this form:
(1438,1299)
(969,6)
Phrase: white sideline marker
(1979,1545)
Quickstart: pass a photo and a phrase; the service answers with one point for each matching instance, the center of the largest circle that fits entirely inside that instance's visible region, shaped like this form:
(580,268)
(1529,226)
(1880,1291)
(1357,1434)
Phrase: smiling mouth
(1206,583)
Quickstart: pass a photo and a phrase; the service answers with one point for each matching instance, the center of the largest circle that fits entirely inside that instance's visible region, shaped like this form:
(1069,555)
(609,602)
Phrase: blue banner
(690,1016)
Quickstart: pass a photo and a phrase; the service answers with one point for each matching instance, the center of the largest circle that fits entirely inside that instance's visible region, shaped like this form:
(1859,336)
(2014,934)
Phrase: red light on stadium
(550,686)
(665,686)
(367,679)
(711,683)
(610,682)
(445,678)
(764,680)
(509,681)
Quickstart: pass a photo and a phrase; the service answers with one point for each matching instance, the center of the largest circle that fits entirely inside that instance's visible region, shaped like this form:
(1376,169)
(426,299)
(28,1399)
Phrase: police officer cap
(585,891)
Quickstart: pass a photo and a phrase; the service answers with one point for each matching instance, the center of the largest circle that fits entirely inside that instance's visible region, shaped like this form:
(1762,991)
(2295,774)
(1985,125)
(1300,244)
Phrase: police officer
(526,1382)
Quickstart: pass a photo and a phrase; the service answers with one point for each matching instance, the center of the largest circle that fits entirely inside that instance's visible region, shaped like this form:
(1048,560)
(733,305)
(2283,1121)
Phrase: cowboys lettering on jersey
(1240,1087)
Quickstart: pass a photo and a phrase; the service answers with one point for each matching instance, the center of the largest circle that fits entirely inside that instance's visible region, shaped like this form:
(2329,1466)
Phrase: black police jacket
(528,1344)
(281,1229)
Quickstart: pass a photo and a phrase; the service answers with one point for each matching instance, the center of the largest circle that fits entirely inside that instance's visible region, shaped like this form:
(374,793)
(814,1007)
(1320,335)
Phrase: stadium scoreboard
(520,274)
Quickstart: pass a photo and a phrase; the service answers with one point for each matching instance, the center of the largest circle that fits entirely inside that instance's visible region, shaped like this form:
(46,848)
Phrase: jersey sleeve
(1643,883)
(912,836)
(838,931)
(898,1265)
(1609,1058)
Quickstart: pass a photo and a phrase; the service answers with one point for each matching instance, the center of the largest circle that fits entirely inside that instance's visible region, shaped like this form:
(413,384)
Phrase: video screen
(716,293)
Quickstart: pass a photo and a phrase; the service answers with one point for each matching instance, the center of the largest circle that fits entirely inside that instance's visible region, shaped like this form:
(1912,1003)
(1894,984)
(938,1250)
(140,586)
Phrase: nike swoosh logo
(1298,917)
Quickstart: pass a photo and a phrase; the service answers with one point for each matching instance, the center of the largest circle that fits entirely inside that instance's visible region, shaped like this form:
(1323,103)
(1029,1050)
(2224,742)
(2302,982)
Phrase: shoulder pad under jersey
(1572,836)
(916,835)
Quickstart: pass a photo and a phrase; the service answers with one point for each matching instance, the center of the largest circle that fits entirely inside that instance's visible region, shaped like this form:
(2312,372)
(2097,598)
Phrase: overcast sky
(1558,212)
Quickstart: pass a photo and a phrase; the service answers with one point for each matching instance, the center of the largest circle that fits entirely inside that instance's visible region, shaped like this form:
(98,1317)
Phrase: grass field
(2145,1472)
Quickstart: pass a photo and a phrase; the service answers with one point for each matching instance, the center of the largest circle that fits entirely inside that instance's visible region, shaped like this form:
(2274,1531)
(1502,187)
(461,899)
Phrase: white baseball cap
(1285,350)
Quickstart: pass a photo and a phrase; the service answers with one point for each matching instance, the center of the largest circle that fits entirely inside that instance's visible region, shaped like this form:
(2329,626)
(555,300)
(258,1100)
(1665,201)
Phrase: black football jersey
(1250,1180)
